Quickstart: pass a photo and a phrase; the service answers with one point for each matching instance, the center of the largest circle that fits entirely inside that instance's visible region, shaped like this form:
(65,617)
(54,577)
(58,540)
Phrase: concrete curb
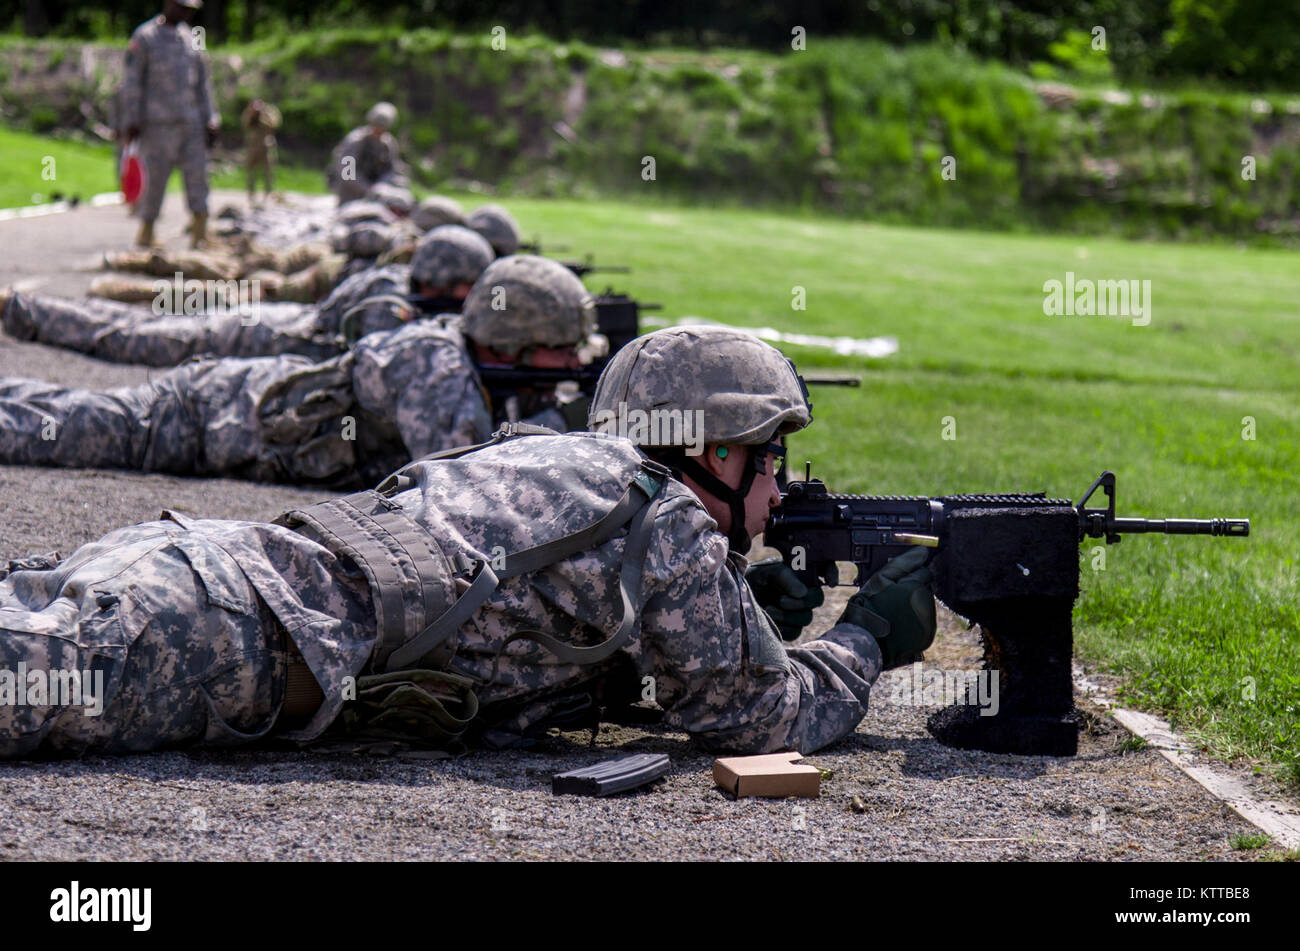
(1278,819)
(58,207)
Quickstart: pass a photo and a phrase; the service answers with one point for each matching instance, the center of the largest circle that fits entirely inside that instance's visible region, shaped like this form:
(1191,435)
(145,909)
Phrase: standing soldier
(167,103)
(260,120)
(367,155)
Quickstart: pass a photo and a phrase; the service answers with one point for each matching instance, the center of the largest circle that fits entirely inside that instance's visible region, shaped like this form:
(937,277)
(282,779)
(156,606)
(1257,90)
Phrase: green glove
(786,599)
(896,605)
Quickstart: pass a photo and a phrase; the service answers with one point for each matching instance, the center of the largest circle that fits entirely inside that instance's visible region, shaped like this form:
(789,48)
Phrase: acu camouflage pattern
(356,212)
(364,239)
(186,602)
(373,158)
(167,93)
(498,226)
(222,261)
(121,333)
(396,199)
(382,115)
(128,334)
(283,223)
(525,300)
(189,623)
(437,210)
(376,287)
(166,80)
(407,392)
(449,254)
(747,390)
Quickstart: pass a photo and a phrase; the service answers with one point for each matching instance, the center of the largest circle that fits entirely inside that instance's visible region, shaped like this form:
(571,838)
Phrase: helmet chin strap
(738,537)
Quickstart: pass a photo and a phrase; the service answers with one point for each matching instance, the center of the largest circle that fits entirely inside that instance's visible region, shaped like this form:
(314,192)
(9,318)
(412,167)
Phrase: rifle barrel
(822,380)
(1239,527)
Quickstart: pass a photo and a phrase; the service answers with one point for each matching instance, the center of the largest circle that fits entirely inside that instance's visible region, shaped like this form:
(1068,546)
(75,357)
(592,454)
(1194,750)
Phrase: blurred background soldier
(167,103)
(260,120)
(498,226)
(445,265)
(345,421)
(366,156)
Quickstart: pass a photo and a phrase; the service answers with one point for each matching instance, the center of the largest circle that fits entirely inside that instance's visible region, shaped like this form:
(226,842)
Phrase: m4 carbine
(1007,562)
(437,304)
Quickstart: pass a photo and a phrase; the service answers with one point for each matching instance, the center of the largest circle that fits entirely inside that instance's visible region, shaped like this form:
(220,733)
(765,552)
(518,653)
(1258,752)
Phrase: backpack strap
(637,506)
(629,587)
(410,577)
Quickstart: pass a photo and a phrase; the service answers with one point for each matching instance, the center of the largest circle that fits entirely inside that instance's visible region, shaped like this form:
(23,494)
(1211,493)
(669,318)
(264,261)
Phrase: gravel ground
(895,793)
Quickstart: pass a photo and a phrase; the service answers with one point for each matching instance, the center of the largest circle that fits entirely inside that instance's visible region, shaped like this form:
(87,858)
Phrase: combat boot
(199,232)
(145,238)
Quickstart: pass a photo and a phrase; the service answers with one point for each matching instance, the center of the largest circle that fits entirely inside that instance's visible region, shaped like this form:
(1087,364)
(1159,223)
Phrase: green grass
(1205,631)
(1041,403)
(1290,855)
(1132,744)
(1244,842)
(86,169)
(77,169)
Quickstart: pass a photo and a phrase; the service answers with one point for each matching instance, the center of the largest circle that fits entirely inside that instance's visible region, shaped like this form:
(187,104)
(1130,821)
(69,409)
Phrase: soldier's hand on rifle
(786,599)
(896,605)
(132,133)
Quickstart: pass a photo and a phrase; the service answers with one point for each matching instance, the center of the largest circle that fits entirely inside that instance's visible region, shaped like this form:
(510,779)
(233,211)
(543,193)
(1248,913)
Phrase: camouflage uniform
(344,421)
(167,93)
(437,210)
(259,144)
(372,159)
(189,621)
(294,220)
(236,259)
(123,334)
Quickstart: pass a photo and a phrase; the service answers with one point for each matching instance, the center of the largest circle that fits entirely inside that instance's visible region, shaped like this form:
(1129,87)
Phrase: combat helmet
(367,239)
(450,254)
(437,210)
(355,212)
(496,224)
(526,301)
(396,199)
(744,392)
(382,115)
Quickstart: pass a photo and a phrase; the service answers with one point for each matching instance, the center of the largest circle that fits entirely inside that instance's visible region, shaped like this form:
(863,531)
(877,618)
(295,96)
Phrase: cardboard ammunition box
(771,775)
